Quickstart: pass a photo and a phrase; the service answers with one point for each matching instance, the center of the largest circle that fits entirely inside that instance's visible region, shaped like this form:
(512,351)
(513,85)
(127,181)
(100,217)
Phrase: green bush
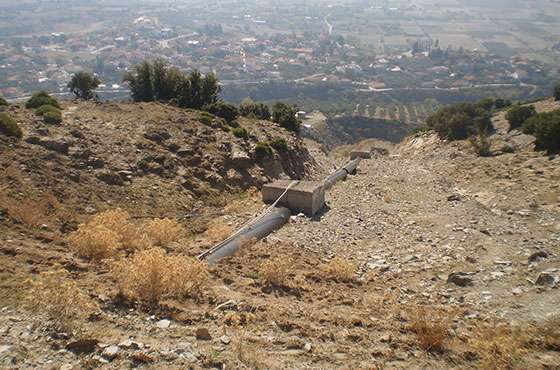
(557,92)
(47,108)
(143,165)
(9,126)
(546,129)
(227,111)
(263,150)
(457,122)
(480,143)
(517,115)
(286,116)
(255,110)
(234,123)
(205,119)
(41,98)
(223,125)
(52,118)
(3,101)
(279,144)
(241,132)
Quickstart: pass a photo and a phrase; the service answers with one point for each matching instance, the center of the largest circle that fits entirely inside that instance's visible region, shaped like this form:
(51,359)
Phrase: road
(165,43)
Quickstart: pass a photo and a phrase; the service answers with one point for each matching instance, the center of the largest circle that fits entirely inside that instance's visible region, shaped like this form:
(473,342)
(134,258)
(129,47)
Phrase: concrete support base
(307,196)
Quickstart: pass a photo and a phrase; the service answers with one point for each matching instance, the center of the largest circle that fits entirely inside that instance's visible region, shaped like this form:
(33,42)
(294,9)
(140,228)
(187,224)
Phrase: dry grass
(431,324)
(60,298)
(340,269)
(164,231)
(105,234)
(498,347)
(150,275)
(218,230)
(275,271)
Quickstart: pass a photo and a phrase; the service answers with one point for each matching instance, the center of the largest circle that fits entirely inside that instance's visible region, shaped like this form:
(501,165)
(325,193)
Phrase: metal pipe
(341,173)
(268,224)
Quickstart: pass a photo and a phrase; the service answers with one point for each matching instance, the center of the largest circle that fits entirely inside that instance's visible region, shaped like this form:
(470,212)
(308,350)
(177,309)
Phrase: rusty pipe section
(340,174)
(259,230)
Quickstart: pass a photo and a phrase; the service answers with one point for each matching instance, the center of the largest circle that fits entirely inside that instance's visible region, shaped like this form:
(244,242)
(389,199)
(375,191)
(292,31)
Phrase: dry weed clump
(498,347)
(57,295)
(105,234)
(150,275)
(341,269)
(236,325)
(275,271)
(164,231)
(431,324)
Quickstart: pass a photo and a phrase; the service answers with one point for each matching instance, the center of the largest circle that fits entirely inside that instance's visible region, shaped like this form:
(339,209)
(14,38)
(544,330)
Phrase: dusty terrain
(428,239)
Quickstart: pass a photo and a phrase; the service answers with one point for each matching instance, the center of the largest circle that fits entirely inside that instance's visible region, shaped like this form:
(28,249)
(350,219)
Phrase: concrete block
(365,154)
(307,196)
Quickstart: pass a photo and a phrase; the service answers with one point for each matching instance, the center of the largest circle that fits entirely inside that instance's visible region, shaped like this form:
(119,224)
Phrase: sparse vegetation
(517,115)
(58,296)
(41,98)
(9,126)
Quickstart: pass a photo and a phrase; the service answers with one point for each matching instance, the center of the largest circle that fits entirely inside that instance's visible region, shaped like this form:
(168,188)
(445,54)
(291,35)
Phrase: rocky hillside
(145,157)
(429,257)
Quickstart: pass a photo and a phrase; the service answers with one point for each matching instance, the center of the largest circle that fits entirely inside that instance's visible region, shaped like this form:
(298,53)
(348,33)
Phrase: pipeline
(271,222)
(340,174)
(268,224)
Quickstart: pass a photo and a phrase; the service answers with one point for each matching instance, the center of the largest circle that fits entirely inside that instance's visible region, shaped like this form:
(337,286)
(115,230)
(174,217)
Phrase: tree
(557,92)
(517,115)
(83,85)
(256,110)
(141,84)
(286,116)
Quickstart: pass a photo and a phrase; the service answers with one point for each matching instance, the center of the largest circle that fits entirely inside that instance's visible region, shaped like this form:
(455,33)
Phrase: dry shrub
(189,276)
(275,271)
(341,269)
(29,212)
(498,347)
(431,325)
(95,242)
(164,231)
(150,275)
(57,295)
(105,234)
